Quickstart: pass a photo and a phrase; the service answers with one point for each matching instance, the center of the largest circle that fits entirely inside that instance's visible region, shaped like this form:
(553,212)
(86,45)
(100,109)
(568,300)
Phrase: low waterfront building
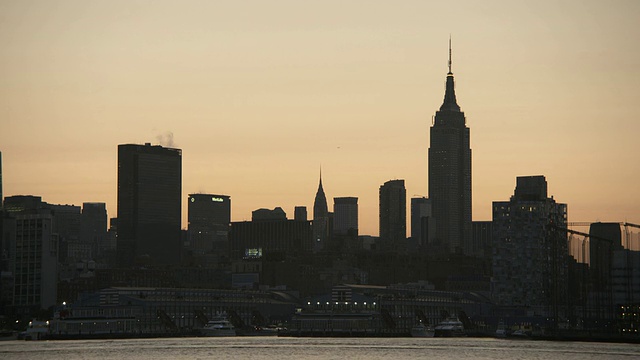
(132,312)
(367,310)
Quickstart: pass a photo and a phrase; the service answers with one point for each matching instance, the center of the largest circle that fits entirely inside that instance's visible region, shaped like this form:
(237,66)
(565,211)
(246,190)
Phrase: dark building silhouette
(530,255)
(67,224)
(268,214)
(482,233)
(320,218)
(93,227)
(30,241)
(271,238)
(423,225)
(149,204)
(345,216)
(300,213)
(605,239)
(450,173)
(209,218)
(36,261)
(393,215)
(18,203)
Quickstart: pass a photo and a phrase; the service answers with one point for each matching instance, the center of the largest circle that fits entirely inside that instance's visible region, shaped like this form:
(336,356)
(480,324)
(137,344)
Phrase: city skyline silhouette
(259,97)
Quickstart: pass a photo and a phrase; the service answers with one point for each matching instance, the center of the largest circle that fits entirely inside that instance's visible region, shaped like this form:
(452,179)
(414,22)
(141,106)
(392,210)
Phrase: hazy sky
(260,94)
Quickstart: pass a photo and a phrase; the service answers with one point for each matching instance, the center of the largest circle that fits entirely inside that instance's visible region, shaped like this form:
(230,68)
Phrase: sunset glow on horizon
(260,95)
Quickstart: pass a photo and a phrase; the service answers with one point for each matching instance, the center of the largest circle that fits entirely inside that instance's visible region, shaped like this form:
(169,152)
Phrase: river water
(314,348)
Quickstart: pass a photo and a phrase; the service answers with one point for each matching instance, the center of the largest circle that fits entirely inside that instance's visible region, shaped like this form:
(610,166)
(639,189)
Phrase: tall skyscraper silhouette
(393,215)
(450,173)
(320,218)
(149,204)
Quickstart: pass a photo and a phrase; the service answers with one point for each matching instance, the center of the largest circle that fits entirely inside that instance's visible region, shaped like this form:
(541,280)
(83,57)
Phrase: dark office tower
(36,260)
(209,218)
(320,218)
(482,235)
(450,173)
(423,226)
(300,213)
(149,206)
(604,240)
(66,223)
(393,215)
(345,216)
(93,228)
(530,268)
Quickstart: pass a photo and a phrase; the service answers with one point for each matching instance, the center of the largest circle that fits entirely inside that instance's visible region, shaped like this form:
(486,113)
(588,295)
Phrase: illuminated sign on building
(253,253)
(217,199)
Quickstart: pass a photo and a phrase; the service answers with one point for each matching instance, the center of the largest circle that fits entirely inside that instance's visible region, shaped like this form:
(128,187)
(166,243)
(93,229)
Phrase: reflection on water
(313,348)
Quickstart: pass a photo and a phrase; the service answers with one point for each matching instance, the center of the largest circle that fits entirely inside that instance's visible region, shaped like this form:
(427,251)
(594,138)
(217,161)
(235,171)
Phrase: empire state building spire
(450,103)
(450,174)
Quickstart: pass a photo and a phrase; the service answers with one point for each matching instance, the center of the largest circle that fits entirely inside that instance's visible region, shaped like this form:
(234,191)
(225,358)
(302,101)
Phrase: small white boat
(219,326)
(422,330)
(520,333)
(451,327)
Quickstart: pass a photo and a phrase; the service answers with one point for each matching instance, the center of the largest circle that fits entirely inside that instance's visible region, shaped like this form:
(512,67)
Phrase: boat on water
(219,326)
(422,330)
(501,331)
(451,327)
(520,333)
(270,330)
(37,330)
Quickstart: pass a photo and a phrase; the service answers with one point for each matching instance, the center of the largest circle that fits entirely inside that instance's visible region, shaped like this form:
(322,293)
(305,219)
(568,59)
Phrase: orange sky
(259,94)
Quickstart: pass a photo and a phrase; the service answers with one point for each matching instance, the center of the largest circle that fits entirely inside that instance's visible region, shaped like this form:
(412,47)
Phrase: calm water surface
(314,348)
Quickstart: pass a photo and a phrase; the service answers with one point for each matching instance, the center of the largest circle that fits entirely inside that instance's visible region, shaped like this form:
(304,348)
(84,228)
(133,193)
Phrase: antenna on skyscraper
(450,54)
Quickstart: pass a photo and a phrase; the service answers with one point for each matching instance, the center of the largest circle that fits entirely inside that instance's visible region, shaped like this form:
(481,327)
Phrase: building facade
(345,216)
(209,217)
(35,267)
(93,227)
(300,213)
(149,205)
(450,173)
(280,238)
(393,215)
(529,253)
(423,225)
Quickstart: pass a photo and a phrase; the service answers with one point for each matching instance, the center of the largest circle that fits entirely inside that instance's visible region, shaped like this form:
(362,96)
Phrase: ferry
(218,326)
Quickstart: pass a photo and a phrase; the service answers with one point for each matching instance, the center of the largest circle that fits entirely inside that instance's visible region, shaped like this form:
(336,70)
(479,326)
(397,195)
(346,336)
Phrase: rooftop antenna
(450,54)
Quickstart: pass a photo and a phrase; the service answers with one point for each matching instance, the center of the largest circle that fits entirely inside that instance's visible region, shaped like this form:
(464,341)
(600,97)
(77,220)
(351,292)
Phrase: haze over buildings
(258,96)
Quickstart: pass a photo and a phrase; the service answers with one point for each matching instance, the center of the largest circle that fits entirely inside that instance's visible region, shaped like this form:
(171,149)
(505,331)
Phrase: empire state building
(450,174)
